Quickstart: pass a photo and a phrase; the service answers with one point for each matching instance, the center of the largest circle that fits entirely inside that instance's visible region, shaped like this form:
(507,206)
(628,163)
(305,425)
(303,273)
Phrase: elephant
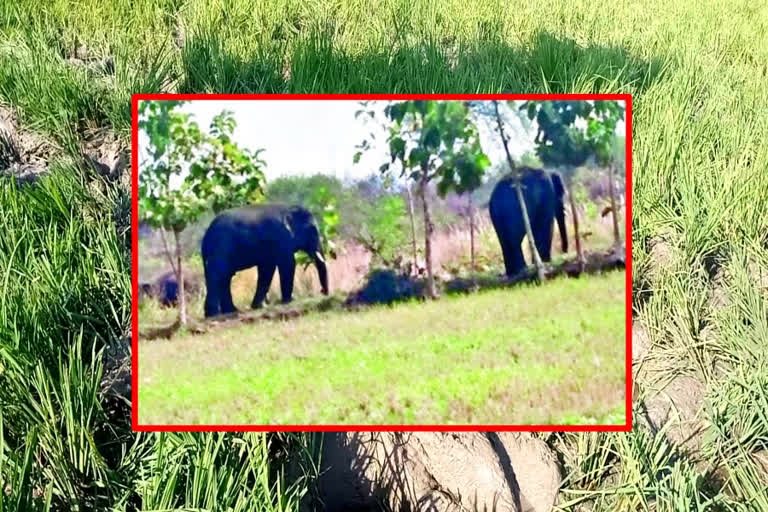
(543,193)
(165,288)
(265,236)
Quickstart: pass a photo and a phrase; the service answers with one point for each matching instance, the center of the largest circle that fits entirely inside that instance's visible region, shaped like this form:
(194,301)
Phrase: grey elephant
(543,193)
(264,236)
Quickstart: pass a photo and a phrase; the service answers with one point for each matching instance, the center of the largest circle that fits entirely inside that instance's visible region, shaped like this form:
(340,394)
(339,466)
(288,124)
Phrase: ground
(551,354)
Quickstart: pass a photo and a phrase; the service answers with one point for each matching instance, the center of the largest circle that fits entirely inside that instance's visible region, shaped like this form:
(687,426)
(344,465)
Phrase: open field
(489,358)
(347,272)
(697,72)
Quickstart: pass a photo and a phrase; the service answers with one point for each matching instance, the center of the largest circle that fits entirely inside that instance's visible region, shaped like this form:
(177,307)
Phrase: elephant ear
(295,217)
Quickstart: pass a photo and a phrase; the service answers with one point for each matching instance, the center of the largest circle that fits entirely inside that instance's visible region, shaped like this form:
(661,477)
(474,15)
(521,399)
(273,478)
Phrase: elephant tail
(557,184)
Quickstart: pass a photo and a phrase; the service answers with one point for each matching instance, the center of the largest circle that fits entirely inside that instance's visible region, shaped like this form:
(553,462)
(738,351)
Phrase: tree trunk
(427,235)
(166,250)
(413,227)
(614,209)
(180,281)
(471,235)
(579,253)
(518,186)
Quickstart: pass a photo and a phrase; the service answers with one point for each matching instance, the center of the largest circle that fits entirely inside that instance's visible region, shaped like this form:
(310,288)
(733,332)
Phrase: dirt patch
(641,342)
(758,274)
(761,459)
(664,253)
(677,405)
(96,66)
(448,471)
(670,399)
(718,292)
(23,153)
(27,154)
(106,153)
(116,379)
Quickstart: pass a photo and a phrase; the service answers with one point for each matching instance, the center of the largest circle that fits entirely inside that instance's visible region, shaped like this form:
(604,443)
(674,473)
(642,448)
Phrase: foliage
(219,174)
(384,231)
(66,441)
(385,286)
(432,140)
(322,201)
(561,142)
(436,140)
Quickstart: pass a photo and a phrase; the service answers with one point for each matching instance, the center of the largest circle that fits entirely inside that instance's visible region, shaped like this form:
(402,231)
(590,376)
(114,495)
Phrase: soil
(670,399)
(446,471)
(106,153)
(23,153)
(27,154)
(116,378)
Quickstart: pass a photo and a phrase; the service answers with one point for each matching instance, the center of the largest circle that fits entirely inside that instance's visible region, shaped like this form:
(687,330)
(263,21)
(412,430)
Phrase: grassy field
(697,71)
(552,354)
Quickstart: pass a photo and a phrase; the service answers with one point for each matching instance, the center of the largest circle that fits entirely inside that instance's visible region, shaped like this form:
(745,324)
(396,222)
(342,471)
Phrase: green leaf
(418,156)
(397,148)
(432,139)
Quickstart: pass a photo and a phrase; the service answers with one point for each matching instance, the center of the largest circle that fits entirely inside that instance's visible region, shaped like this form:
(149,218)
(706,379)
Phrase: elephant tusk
(319,257)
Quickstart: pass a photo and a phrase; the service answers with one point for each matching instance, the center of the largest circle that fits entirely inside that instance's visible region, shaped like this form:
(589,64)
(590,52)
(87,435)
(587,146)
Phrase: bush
(384,286)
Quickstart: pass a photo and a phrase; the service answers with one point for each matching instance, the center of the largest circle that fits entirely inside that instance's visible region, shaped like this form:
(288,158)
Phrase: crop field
(697,72)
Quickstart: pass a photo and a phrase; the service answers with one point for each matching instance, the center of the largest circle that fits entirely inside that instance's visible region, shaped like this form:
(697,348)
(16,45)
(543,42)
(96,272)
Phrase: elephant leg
(287,270)
(514,260)
(543,234)
(266,273)
(212,292)
(511,247)
(226,296)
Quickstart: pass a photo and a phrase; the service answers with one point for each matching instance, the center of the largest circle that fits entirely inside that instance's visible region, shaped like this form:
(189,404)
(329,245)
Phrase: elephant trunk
(557,184)
(560,215)
(322,272)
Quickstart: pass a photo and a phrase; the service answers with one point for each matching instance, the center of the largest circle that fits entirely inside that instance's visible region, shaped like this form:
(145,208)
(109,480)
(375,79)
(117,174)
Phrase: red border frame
(333,428)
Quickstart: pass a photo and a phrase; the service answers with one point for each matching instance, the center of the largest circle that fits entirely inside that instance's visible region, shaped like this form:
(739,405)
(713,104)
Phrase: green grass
(526,356)
(697,72)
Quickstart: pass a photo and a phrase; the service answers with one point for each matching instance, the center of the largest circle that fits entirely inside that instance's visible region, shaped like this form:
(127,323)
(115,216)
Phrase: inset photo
(386,262)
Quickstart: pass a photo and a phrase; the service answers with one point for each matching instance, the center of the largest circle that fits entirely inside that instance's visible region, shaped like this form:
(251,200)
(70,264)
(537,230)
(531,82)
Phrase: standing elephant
(543,193)
(264,236)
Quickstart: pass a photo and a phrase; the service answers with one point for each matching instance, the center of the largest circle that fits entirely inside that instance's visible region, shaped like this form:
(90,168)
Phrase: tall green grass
(66,444)
(697,72)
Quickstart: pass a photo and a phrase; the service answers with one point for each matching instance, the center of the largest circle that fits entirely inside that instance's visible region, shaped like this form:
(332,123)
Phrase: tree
(491,112)
(189,172)
(368,113)
(383,232)
(433,141)
(608,153)
(561,142)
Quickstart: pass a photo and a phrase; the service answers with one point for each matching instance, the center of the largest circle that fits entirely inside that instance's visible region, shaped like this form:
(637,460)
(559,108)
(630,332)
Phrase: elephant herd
(267,236)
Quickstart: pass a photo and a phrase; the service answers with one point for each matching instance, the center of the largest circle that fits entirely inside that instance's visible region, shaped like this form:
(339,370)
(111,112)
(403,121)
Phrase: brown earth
(23,153)
(437,471)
